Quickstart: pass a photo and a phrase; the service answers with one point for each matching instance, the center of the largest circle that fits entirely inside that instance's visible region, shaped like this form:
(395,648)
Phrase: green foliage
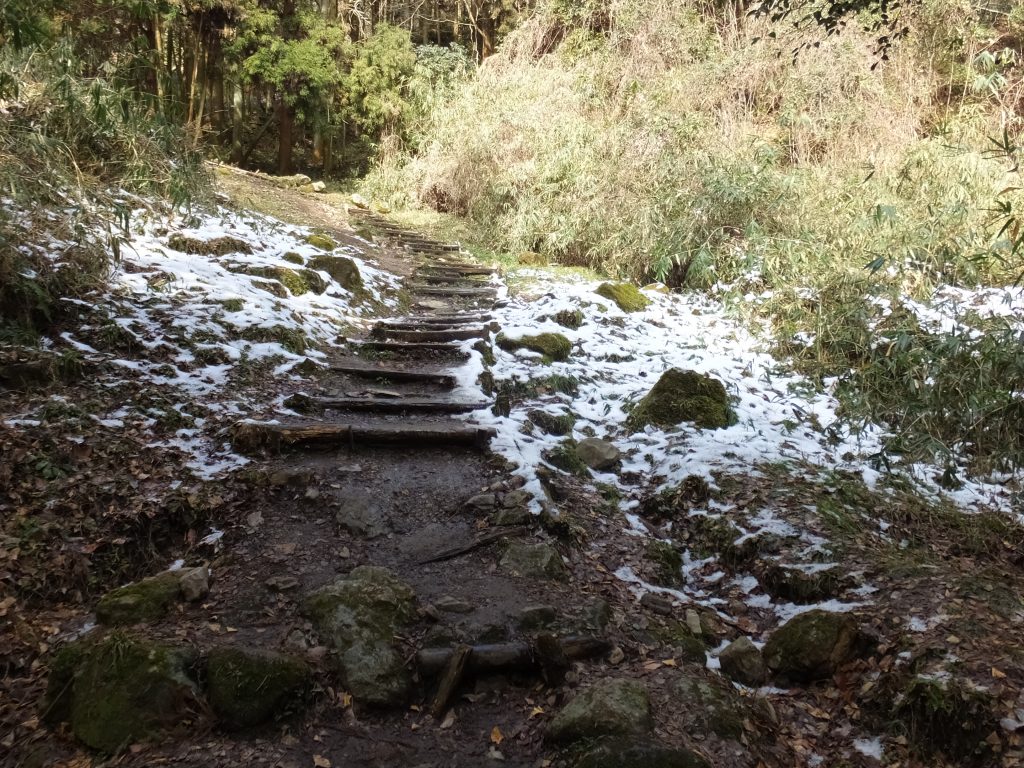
(375,86)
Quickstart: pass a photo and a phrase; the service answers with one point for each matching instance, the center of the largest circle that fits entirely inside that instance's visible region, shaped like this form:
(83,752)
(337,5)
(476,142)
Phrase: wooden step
(410,348)
(432,290)
(447,320)
(467,270)
(453,279)
(414,336)
(394,375)
(249,436)
(383,404)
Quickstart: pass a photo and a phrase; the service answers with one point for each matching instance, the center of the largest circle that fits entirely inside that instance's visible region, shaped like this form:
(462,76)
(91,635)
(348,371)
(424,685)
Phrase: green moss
(342,270)
(683,396)
(294,258)
(218,246)
(643,754)
(799,586)
(812,646)
(232,305)
(715,708)
(298,282)
(246,686)
(569,318)
(146,600)
(322,242)
(553,346)
(946,717)
(666,564)
(272,287)
(675,634)
(626,295)
(564,457)
(674,503)
(291,339)
(559,425)
(57,703)
(128,690)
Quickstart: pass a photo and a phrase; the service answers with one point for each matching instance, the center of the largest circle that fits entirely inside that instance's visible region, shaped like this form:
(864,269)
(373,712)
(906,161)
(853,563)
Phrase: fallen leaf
(319,761)
(997,674)
(496,737)
(535,712)
(449,720)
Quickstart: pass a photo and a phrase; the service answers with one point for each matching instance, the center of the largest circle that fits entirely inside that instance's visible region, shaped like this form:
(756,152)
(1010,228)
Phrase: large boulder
(534,561)
(609,708)
(342,270)
(683,396)
(121,690)
(638,754)
(249,686)
(742,661)
(812,646)
(552,346)
(625,295)
(359,616)
(597,453)
(704,704)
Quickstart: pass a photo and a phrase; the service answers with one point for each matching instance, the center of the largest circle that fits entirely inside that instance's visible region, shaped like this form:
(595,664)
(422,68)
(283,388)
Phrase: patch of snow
(869,747)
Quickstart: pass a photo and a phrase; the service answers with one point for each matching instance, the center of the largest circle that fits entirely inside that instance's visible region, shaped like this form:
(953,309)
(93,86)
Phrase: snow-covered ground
(185,322)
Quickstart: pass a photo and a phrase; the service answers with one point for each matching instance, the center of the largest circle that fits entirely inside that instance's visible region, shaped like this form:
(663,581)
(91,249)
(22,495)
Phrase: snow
(869,747)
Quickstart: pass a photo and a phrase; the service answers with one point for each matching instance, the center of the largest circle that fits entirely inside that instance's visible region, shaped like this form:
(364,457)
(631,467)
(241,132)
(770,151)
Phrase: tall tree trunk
(237,119)
(285,137)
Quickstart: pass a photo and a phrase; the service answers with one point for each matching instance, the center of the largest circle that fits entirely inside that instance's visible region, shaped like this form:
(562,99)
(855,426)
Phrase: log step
(465,270)
(446,320)
(395,375)
(248,436)
(453,279)
(511,657)
(430,290)
(388,405)
(462,334)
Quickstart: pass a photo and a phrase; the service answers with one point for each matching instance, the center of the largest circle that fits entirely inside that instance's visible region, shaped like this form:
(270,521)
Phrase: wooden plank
(430,290)
(403,347)
(249,436)
(450,681)
(510,657)
(413,336)
(394,405)
(394,374)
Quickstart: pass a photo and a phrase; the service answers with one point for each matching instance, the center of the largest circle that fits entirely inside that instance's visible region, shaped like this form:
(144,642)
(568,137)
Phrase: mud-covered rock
(625,295)
(120,690)
(638,754)
(812,646)
(359,616)
(598,454)
(742,661)
(609,708)
(683,396)
(248,686)
(552,346)
(534,561)
(342,270)
(147,600)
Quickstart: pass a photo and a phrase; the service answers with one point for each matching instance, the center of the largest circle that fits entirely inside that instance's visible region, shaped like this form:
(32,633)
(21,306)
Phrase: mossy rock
(342,270)
(532,259)
(147,600)
(801,586)
(683,396)
(298,281)
(675,502)
(708,706)
(247,686)
(359,616)
(552,346)
(638,754)
(743,662)
(569,318)
(322,242)
(59,697)
(665,564)
(949,718)
(232,305)
(812,646)
(716,536)
(625,295)
(534,561)
(565,457)
(676,635)
(294,258)
(272,287)
(609,708)
(217,246)
(559,425)
(292,339)
(126,690)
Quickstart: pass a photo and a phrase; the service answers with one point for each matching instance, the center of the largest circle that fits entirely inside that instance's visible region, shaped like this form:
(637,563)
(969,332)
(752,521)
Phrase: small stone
(536,617)
(656,603)
(598,454)
(617,656)
(311,494)
(609,708)
(483,502)
(534,561)
(254,520)
(194,583)
(742,661)
(284,477)
(511,517)
(516,498)
(281,583)
(147,600)
(318,186)
(361,517)
(360,202)
(693,622)
(453,605)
